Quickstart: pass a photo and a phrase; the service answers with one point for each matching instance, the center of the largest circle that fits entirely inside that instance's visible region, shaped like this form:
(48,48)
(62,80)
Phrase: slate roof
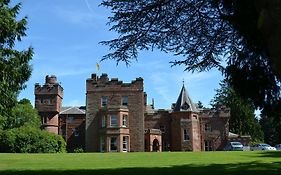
(184,102)
(73,110)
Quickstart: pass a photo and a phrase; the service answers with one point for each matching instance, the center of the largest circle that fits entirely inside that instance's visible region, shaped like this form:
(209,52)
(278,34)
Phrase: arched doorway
(155,146)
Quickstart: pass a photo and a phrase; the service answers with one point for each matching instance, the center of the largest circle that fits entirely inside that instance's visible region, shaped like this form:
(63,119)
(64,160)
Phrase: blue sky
(65,36)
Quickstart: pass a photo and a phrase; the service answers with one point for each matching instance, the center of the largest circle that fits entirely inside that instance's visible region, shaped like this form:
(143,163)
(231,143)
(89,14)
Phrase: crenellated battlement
(103,81)
(48,97)
(51,87)
(220,111)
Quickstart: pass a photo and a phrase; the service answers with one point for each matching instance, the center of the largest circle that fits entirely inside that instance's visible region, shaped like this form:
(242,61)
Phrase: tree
(242,117)
(207,34)
(22,114)
(200,105)
(15,70)
(271,124)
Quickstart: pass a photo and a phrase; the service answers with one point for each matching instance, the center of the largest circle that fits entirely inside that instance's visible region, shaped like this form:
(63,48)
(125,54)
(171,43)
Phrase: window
(208,145)
(125,101)
(103,101)
(45,120)
(185,135)
(75,132)
(162,128)
(102,144)
(125,143)
(70,119)
(113,120)
(113,143)
(208,127)
(50,101)
(103,121)
(125,120)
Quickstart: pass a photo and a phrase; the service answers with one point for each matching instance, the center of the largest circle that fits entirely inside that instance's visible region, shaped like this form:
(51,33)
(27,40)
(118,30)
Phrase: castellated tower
(115,115)
(48,102)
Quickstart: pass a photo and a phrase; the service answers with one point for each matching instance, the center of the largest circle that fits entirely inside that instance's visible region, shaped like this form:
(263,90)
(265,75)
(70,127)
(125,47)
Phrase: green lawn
(174,163)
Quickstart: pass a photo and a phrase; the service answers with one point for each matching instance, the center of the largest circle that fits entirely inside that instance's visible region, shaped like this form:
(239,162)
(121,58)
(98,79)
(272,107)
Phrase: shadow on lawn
(275,154)
(252,168)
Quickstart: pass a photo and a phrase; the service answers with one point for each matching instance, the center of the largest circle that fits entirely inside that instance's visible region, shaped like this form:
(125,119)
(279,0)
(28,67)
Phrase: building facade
(117,118)
(69,122)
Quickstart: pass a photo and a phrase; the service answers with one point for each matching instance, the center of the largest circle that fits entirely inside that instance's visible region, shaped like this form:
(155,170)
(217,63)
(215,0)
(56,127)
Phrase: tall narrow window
(113,143)
(102,144)
(125,120)
(45,120)
(103,121)
(208,145)
(113,120)
(125,143)
(103,101)
(208,127)
(124,100)
(185,135)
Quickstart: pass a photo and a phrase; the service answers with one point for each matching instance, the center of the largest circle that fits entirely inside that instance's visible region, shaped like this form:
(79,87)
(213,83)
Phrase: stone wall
(113,90)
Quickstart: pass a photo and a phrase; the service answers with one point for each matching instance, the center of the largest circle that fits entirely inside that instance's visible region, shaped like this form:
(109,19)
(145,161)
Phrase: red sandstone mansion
(117,118)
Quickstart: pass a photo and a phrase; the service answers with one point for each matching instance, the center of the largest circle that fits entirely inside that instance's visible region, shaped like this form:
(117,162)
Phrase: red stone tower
(185,125)
(48,102)
(115,115)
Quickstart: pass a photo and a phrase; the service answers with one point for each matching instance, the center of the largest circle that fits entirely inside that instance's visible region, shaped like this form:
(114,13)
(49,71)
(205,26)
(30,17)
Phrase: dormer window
(185,106)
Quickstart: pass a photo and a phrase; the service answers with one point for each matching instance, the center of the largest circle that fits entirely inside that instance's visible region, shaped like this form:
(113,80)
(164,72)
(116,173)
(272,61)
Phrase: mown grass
(174,163)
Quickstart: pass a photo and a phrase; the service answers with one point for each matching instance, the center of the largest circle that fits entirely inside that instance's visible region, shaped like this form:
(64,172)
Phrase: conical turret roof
(184,102)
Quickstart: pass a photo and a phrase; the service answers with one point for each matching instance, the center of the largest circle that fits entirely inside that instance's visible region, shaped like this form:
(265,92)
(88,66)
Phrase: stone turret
(48,102)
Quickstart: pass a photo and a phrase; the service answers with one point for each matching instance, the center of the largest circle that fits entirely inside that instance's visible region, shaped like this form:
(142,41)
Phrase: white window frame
(125,120)
(125,144)
(111,119)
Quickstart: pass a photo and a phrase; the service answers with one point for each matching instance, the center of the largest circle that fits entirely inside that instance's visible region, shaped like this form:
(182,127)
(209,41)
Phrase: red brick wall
(73,131)
(154,121)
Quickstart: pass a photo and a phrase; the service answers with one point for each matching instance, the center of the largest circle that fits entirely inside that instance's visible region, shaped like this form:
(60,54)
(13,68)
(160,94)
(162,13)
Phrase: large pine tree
(242,113)
(239,37)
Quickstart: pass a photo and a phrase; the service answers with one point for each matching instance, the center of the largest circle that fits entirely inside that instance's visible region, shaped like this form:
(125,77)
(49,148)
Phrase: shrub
(78,150)
(30,140)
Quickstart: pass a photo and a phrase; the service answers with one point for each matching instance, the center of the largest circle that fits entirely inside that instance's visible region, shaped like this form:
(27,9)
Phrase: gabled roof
(73,110)
(184,102)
